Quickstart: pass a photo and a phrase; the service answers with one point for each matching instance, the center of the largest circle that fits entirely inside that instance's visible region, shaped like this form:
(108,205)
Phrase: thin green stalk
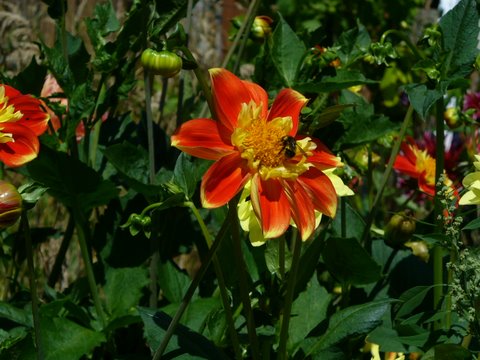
(287,309)
(343,217)
(82,234)
(404,36)
(193,286)
(60,258)
(33,286)
(248,24)
(376,202)
(241,32)
(154,260)
(281,256)
(221,280)
(244,293)
(96,127)
(201,80)
(439,170)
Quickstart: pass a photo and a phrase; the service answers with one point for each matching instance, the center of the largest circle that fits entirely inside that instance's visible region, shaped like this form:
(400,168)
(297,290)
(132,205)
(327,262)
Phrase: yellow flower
(472,183)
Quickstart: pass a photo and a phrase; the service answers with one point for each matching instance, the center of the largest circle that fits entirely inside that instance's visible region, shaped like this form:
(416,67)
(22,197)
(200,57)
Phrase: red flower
(22,120)
(418,164)
(286,176)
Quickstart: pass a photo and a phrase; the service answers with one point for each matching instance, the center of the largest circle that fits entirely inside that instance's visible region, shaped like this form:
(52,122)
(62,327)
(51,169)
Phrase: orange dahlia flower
(285,177)
(418,164)
(22,120)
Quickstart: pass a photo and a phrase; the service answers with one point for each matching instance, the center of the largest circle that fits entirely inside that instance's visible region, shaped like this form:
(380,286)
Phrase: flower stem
(439,170)
(33,286)
(193,286)
(287,309)
(60,258)
(201,80)
(221,280)
(153,267)
(241,32)
(244,294)
(82,234)
(395,149)
(252,10)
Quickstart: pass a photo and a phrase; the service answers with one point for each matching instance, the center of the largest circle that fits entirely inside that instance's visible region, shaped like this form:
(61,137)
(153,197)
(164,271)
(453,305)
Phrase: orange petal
(200,138)
(303,212)
(321,191)
(288,103)
(35,117)
(229,93)
(223,180)
(23,149)
(271,206)
(404,165)
(322,158)
(424,186)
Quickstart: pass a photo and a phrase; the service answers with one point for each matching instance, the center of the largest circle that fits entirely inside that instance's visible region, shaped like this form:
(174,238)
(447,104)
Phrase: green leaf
(314,300)
(170,12)
(185,343)
(103,23)
(349,263)
(287,52)
(71,181)
(412,299)
(11,337)
(352,321)
(460,37)
(364,129)
(448,352)
(272,256)
(188,172)
(352,44)
(343,80)
(123,289)
(173,282)
(66,340)
(132,162)
(15,314)
(387,338)
(422,98)
(472,225)
(355,223)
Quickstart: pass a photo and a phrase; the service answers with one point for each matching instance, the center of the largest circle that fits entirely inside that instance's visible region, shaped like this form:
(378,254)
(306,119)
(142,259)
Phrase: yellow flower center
(425,163)
(267,146)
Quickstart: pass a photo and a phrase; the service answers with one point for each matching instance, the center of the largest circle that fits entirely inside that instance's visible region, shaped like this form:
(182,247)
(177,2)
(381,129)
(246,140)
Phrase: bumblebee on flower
(285,177)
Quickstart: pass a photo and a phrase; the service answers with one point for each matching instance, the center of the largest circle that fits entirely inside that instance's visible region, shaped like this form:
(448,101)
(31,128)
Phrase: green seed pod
(164,63)
(10,204)
(399,230)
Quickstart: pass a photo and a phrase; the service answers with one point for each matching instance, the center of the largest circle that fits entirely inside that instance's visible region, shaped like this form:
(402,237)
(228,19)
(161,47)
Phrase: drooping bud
(399,229)
(10,204)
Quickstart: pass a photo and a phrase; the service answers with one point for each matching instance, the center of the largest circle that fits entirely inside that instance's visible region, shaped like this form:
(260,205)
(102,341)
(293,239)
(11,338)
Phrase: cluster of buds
(379,52)
(326,56)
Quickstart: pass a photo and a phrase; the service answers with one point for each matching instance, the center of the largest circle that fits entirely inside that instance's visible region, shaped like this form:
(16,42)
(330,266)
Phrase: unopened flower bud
(399,229)
(10,204)
(261,27)
(452,118)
